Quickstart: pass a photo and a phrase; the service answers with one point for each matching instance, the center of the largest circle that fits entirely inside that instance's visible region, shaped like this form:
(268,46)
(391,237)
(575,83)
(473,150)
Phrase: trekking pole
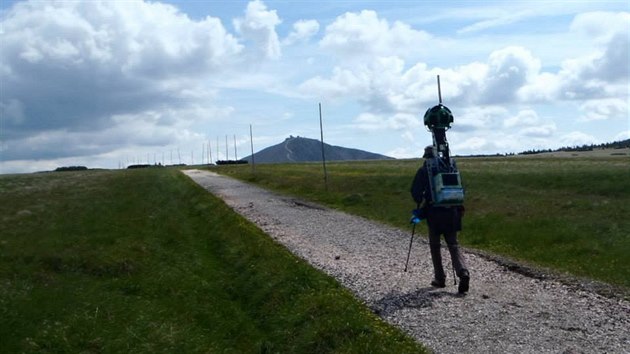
(413,231)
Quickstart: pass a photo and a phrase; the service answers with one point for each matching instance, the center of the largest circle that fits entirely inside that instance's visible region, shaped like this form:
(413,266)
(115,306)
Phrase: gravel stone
(505,311)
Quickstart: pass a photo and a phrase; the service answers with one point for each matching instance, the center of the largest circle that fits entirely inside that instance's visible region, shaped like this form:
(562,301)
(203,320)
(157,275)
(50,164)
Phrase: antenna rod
(439,89)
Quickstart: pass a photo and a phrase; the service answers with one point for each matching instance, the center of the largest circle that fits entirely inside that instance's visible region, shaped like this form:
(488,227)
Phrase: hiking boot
(464,280)
(438,283)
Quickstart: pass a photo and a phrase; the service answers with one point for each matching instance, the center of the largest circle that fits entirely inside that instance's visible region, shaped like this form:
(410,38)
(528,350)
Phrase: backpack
(445,182)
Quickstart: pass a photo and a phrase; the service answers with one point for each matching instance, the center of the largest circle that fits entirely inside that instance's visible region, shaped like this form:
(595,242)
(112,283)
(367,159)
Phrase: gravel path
(504,312)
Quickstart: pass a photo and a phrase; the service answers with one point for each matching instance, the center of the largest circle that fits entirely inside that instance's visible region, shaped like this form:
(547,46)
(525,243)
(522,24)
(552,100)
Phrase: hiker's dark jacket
(441,218)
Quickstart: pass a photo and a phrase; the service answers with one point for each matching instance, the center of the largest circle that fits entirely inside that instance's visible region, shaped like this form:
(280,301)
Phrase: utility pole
(209,153)
(226,149)
(251,140)
(321,130)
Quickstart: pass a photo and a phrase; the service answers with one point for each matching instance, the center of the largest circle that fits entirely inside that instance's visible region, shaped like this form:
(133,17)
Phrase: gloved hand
(415,220)
(419,213)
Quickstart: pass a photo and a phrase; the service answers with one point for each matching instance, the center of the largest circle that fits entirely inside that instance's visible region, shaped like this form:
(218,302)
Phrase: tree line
(622,144)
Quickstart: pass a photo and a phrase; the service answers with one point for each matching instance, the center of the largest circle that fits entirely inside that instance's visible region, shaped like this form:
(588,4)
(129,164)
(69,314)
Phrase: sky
(105,84)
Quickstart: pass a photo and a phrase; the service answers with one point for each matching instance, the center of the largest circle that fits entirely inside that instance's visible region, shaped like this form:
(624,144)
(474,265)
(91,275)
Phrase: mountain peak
(301,149)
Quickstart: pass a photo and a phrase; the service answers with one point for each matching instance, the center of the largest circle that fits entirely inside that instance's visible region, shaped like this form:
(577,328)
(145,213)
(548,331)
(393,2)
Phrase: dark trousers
(436,255)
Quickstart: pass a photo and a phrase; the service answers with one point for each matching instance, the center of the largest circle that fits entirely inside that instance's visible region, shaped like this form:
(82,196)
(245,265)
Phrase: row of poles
(206,152)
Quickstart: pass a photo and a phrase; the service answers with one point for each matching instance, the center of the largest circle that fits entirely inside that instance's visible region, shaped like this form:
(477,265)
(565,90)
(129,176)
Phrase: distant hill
(298,149)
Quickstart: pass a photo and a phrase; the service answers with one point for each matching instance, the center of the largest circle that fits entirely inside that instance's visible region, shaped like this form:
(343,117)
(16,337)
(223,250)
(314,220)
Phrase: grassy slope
(146,261)
(568,214)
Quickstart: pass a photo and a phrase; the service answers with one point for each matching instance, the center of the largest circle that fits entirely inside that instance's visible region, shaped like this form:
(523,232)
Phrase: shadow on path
(423,297)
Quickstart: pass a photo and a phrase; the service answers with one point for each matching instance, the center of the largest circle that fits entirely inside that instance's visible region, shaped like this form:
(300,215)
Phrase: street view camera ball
(438,117)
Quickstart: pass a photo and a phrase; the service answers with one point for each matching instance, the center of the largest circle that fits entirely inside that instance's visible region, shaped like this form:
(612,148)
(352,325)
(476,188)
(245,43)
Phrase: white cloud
(493,129)
(526,117)
(612,65)
(544,87)
(12,111)
(354,35)
(623,135)
(577,138)
(476,143)
(603,73)
(510,75)
(150,130)
(480,91)
(541,131)
(144,74)
(505,18)
(369,122)
(509,70)
(70,68)
(479,118)
(343,82)
(378,122)
(601,25)
(591,75)
(383,84)
(302,31)
(259,26)
(604,109)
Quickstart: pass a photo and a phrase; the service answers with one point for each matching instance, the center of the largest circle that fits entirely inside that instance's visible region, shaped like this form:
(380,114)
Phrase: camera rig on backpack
(444,178)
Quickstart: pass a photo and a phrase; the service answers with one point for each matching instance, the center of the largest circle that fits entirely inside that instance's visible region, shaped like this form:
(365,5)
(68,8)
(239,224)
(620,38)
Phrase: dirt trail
(504,312)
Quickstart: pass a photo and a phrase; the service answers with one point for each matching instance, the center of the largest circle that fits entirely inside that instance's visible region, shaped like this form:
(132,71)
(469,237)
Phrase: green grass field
(145,261)
(568,214)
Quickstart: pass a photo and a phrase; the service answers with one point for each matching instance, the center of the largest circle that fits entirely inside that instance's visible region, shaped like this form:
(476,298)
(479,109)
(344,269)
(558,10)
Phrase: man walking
(442,220)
